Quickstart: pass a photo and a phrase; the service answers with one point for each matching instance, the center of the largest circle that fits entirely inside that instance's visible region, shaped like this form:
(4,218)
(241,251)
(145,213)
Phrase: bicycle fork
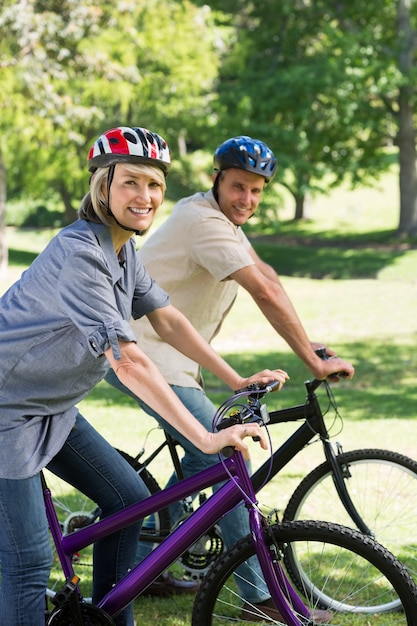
(282,593)
(340,475)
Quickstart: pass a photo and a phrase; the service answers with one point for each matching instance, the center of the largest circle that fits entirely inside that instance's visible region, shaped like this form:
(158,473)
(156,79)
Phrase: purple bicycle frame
(177,542)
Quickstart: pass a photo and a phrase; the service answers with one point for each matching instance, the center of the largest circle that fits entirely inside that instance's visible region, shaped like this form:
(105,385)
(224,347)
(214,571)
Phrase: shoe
(167,585)
(267,611)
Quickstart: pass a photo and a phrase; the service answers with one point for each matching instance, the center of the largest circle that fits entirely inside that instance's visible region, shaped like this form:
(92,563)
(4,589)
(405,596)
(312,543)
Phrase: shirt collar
(103,236)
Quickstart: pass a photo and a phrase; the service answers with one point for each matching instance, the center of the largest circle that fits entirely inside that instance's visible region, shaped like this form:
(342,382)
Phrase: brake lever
(263,419)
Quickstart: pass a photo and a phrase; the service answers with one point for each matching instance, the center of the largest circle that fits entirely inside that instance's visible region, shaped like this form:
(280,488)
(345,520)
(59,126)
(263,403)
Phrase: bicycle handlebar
(252,412)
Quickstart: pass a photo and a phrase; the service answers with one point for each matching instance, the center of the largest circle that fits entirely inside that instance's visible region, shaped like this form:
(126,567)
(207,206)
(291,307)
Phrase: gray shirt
(73,303)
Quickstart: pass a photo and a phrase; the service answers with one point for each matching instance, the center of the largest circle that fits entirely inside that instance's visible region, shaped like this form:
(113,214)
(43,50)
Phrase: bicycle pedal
(67,589)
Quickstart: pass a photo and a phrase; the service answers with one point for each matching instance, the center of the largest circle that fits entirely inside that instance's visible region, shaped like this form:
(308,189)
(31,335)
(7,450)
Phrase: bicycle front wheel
(340,569)
(383,487)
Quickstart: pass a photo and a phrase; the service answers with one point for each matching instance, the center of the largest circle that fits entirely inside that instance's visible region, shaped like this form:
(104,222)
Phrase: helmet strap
(215,187)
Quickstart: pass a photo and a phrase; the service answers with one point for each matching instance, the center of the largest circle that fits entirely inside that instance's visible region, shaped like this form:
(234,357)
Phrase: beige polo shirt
(191,255)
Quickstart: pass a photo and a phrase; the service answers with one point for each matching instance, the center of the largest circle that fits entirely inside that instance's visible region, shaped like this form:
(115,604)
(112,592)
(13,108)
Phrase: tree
(406,138)
(38,47)
(331,86)
(3,247)
(77,67)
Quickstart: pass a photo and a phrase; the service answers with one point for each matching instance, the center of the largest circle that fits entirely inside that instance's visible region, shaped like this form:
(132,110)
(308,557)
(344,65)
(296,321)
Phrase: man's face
(239,194)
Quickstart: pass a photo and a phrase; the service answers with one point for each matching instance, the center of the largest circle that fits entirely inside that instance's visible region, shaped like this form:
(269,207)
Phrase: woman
(62,326)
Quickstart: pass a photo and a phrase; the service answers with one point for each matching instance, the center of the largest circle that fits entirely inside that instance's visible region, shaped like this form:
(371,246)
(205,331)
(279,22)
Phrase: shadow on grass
(383,385)
(296,251)
(315,261)
(298,260)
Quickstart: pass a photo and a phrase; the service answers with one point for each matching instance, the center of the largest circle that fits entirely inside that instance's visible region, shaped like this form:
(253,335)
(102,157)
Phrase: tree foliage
(81,67)
(324,81)
(329,85)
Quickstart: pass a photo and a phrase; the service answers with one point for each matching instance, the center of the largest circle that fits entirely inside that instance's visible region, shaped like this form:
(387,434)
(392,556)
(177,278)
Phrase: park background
(363,305)
(330,87)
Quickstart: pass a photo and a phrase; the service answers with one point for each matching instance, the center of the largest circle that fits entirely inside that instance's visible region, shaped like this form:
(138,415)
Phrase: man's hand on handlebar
(330,366)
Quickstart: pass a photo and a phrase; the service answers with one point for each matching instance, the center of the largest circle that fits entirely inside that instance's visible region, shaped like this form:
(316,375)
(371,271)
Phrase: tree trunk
(406,138)
(3,245)
(302,206)
(182,144)
(70,213)
(408,172)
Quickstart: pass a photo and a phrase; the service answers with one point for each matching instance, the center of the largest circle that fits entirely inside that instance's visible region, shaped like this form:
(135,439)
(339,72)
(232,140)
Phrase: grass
(354,287)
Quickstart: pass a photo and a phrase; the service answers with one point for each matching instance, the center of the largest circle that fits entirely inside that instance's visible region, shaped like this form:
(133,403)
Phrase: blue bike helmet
(245,153)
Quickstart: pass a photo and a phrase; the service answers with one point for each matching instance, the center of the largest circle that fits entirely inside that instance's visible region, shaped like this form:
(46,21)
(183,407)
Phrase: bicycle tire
(383,488)
(339,559)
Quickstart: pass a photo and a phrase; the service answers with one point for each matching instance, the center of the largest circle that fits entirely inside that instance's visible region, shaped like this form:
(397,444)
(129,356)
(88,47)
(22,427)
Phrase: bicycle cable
(332,404)
(228,406)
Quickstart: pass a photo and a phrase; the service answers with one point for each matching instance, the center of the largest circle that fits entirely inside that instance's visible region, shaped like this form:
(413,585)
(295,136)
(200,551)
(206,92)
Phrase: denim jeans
(89,463)
(235,524)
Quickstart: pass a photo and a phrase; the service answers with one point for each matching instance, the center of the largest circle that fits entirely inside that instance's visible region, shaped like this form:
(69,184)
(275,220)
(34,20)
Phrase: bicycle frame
(165,554)
(310,413)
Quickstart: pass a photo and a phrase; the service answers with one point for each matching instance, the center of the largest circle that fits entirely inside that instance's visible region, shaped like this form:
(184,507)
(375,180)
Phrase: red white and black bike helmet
(125,144)
(248,154)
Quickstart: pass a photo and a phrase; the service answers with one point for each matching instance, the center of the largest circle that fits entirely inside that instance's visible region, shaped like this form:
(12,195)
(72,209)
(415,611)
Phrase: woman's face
(135,197)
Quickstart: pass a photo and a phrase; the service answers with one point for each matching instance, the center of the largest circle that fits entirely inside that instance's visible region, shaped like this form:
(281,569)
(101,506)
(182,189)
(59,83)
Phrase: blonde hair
(94,205)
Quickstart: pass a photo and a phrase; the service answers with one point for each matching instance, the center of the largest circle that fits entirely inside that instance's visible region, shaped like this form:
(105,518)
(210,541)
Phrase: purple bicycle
(339,568)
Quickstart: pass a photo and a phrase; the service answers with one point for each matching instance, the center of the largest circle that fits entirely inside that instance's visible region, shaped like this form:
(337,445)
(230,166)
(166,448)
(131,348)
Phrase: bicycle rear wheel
(352,572)
(383,487)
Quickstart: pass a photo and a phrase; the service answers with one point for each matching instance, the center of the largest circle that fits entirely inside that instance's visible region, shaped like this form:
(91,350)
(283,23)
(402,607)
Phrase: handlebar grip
(272,386)
(227,451)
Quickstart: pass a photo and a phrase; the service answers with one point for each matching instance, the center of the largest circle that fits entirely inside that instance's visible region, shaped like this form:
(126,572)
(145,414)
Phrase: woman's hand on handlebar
(265,377)
(234,437)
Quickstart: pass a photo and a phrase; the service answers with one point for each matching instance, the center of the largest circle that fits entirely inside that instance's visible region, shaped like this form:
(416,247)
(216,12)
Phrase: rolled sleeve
(108,336)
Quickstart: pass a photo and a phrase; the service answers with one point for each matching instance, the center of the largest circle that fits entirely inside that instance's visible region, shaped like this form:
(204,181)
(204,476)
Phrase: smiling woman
(136,193)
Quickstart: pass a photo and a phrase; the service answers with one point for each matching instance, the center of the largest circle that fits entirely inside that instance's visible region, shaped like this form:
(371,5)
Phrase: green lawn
(353,288)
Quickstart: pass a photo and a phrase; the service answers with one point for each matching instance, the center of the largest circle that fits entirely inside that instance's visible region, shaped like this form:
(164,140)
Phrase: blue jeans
(92,465)
(235,524)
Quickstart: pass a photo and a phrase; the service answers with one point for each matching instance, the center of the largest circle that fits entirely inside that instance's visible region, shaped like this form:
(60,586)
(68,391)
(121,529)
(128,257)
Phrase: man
(200,256)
